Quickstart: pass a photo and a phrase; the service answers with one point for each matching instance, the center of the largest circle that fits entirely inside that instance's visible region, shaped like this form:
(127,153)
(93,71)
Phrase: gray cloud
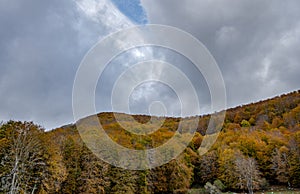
(256,43)
(42,44)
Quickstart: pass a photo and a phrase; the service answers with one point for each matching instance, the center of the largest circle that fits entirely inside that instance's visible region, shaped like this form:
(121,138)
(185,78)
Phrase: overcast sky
(256,44)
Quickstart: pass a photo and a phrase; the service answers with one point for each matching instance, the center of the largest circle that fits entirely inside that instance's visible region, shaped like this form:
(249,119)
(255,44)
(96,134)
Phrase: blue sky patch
(132,9)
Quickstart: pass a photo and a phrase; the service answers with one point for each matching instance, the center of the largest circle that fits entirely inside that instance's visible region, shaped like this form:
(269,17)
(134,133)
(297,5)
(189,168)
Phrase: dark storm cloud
(42,44)
(256,43)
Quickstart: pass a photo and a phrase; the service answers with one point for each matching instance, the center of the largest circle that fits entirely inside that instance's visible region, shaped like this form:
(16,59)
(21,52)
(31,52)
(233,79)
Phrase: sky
(42,43)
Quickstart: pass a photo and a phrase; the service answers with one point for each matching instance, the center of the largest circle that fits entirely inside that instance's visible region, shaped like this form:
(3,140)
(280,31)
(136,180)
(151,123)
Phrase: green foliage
(245,123)
(219,185)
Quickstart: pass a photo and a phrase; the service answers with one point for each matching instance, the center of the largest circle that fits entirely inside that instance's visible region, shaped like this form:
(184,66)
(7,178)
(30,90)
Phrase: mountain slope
(259,144)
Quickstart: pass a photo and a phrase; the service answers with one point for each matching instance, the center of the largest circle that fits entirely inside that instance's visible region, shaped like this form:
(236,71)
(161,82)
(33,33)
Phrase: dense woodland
(259,146)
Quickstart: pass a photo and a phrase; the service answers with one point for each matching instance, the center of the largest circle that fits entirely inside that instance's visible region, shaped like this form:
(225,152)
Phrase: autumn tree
(227,170)
(280,164)
(94,173)
(294,160)
(206,168)
(247,173)
(175,176)
(22,164)
(72,150)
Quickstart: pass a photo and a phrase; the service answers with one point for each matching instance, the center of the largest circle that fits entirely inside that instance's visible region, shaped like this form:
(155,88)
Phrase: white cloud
(105,13)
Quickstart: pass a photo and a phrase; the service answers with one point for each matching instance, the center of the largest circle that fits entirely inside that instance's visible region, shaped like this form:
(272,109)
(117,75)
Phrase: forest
(257,148)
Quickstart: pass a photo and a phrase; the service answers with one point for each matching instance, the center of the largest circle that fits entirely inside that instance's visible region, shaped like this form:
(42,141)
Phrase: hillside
(259,146)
